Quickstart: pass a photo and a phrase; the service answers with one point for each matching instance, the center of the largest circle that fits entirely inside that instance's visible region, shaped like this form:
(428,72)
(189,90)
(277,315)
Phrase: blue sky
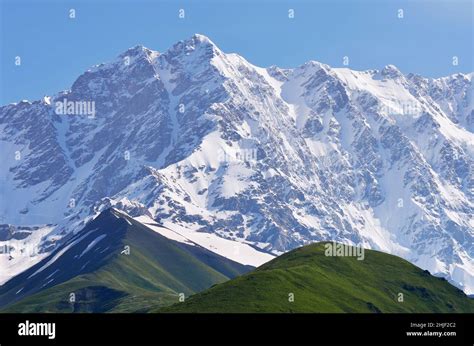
(55,49)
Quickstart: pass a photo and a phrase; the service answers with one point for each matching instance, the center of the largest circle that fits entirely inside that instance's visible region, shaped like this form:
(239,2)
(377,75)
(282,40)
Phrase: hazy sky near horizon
(56,49)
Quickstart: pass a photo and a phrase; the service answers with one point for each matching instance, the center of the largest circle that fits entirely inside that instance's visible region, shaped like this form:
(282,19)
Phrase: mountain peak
(136,51)
(317,65)
(200,44)
(390,71)
(201,41)
(202,38)
(219,136)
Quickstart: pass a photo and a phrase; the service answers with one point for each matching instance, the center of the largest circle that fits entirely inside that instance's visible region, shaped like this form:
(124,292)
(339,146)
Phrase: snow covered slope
(236,251)
(203,141)
(117,255)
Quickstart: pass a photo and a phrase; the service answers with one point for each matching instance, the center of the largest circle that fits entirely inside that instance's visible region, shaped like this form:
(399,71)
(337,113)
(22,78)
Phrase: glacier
(205,143)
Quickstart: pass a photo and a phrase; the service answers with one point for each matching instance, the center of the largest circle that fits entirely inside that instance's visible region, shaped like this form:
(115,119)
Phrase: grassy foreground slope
(320,283)
(103,279)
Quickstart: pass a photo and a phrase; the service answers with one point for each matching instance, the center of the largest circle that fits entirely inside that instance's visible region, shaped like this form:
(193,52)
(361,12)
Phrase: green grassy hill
(155,272)
(330,284)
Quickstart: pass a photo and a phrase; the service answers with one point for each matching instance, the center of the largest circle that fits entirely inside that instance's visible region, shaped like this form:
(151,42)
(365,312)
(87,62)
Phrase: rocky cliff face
(277,158)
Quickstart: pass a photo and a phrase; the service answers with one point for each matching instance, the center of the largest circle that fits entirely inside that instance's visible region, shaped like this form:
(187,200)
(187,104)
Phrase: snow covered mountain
(202,141)
(116,264)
